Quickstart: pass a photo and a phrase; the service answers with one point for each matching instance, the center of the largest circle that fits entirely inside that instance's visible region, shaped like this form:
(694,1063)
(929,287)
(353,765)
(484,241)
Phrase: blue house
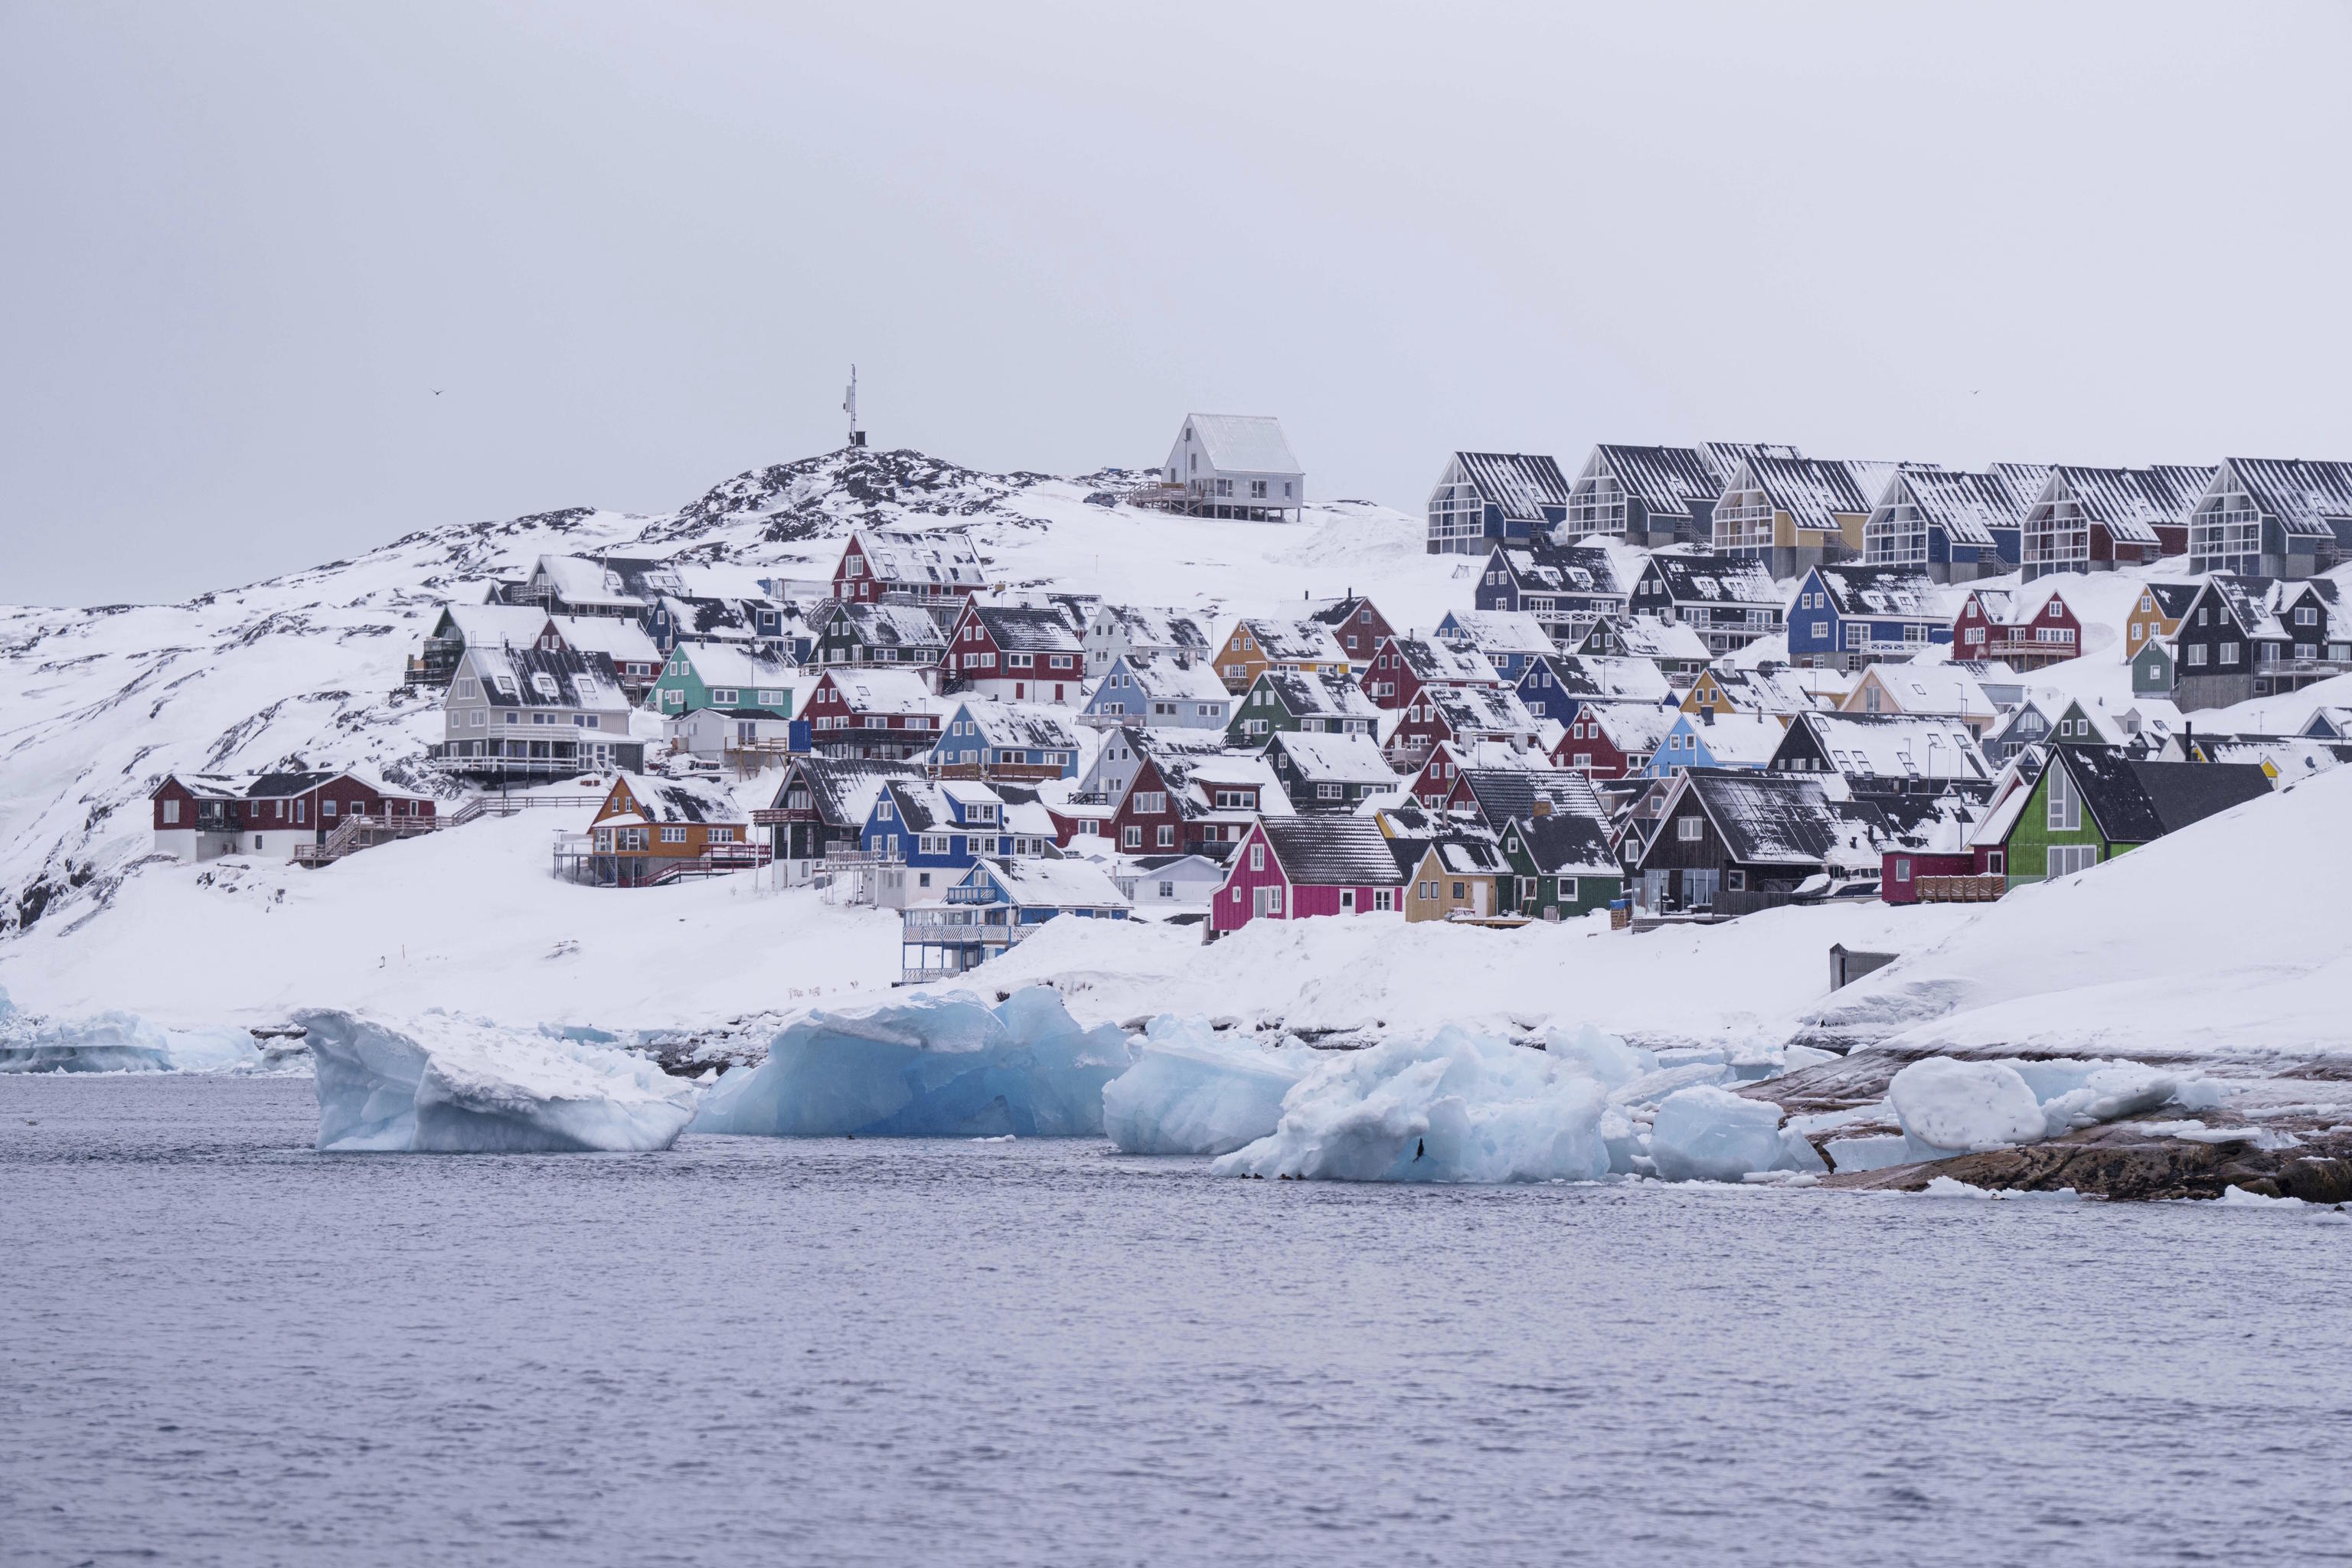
(1846,616)
(1562,585)
(996,904)
(1024,742)
(1495,496)
(925,837)
(1554,686)
(1707,739)
(1509,640)
(1959,526)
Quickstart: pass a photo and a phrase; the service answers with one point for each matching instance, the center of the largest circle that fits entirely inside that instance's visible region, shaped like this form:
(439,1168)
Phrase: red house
(201,816)
(1899,871)
(1012,655)
(1401,669)
(1459,716)
(2029,628)
(1613,740)
(1176,804)
(1358,626)
(884,713)
(1296,868)
(929,568)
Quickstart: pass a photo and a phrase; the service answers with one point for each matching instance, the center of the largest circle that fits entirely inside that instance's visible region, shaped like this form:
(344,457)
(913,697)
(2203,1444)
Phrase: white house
(1114,631)
(1238,466)
(534,711)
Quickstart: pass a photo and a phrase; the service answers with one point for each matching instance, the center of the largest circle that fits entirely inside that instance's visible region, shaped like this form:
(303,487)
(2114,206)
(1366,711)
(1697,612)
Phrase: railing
(1960,889)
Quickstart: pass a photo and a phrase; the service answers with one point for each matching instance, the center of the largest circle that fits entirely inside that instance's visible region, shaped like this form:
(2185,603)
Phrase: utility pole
(849,407)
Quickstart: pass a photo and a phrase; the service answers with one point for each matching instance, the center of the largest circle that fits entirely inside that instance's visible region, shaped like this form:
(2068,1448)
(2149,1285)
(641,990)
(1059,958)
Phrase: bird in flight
(437,392)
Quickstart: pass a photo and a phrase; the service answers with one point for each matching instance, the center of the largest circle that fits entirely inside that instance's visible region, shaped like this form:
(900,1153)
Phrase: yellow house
(1793,513)
(1455,873)
(1257,646)
(2156,613)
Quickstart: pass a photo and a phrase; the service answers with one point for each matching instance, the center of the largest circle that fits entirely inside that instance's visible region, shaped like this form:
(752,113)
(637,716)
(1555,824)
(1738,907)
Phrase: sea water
(223,1347)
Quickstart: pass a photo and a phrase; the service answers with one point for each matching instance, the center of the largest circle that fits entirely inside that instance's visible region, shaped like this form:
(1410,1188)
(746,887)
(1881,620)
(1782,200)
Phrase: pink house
(1293,868)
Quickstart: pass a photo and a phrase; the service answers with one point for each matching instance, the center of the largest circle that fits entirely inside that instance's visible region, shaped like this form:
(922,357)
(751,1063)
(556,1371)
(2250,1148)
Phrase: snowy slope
(96,705)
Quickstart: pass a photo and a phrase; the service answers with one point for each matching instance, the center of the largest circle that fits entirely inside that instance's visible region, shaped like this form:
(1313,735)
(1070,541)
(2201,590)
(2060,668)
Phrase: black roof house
(1333,851)
(2137,802)
(1645,495)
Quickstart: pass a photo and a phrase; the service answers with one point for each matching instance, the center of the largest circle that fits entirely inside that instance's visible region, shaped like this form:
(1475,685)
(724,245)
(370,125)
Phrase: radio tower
(849,407)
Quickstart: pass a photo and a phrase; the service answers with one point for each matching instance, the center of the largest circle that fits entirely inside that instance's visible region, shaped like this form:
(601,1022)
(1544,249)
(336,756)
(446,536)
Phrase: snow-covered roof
(577,581)
(1666,478)
(1562,568)
(1165,676)
(1884,591)
(1476,712)
(2128,502)
(1519,484)
(1294,642)
(1968,507)
(1779,819)
(1698,579)
(1896,745)
(1610,678)
(517,626)
(888,625)
(1329,758)
(1565,844)
(1646,637)
(615,637)
(537,678)
(1945,689)
(1154,630)
(1049,883)
(842,790)
(641,797)
(922,560)
(1738,739)
(2306,498)
(1529,785)
(1018,628)
(1633,728)
(1244,444)
(885,692)
(1813,491)
(1328,696)
(1435,663)
(1331,849)
(1021,725)
(728,664)
(1495,632)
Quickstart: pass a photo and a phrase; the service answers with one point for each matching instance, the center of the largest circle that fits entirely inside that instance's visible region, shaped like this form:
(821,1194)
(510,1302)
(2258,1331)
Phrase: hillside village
(1687,685)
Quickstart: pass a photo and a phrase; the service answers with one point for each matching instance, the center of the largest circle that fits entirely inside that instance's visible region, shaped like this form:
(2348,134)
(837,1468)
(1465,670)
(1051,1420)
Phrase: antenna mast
(849,407)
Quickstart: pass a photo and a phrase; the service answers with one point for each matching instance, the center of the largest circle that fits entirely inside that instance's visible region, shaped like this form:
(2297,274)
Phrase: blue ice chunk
(1195,1091)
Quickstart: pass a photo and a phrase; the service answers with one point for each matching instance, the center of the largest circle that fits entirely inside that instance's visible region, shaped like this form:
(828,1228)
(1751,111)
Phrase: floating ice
(931,1066)
(1704,1133)
(1605,1058)
(116,1042)
(1195,1091)
(2084,1093)
(453,1086)
(1457,1107)
(1950,1106)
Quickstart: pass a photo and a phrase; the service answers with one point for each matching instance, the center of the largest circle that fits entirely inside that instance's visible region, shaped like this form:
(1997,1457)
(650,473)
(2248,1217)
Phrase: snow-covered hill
(97,704)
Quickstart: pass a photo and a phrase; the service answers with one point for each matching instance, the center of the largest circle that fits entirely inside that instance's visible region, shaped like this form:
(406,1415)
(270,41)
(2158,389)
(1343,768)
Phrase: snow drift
(931,1066)
(445,1084)
(1456,1107)
(116,1042)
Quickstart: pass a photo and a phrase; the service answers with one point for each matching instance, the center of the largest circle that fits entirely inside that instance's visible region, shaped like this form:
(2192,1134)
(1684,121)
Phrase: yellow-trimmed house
(1257,644)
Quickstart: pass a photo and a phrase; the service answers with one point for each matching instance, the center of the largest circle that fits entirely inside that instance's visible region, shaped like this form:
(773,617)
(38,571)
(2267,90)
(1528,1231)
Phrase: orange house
(652,830)
(1257,646)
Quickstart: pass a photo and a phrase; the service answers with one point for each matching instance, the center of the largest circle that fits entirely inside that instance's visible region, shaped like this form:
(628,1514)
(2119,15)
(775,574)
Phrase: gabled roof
(1327,758)
(1714,579)
(888,625)
(1565,844)
(617,638)
(578,581)
(1520,484)
(1340,611)
(1668,479)
(1562,568)
(1168,677)
(1646,637)
(1463,849)
(1017,724)
(1435,663)
(1155,630)
(664,800)
(1329,696)
(2307,500)
(274,785)
(1331,850)
(2128,502)
(209,786)
(1779,819)
(1294,642)
(1510,793)
(1735,739)
(884,690)
(1633,728)
(518,625)
(1883,591)
(1244,443)
(1495,631)
(1943,689)
(724,663)
(1047,883)
(2185,792)
(1473,710)
(535,677)
(1609,678)
(1896,745)
(1020,629)
(1813,491)
(1967,507)
(842,790)
(921,559)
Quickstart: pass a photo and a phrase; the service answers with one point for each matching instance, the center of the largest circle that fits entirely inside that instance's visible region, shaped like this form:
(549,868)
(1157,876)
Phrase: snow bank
(445,1084)
(1195,1091)
(1948,1105)
(1704,1133)
(116,1042)
(930,1067)
(1455,1106)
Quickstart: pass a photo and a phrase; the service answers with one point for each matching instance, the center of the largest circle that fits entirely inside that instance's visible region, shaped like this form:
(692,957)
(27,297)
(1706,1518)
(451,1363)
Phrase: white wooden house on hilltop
(1236,466)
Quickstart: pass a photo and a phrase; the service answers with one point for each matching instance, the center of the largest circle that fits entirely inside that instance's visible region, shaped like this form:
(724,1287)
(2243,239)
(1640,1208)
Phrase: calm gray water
(221,1347)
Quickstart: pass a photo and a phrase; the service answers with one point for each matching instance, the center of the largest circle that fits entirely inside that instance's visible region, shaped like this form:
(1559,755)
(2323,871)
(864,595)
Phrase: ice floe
(1704,1133)
(116,1042)
(1948,1105)
(1193,1090)
(445,1084)
(930,1067)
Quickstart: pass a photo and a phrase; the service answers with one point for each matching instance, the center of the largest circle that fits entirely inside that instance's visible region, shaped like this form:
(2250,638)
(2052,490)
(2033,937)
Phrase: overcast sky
(637,247)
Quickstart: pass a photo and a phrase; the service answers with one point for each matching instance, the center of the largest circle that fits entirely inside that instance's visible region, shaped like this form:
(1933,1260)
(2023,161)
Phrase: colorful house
(2270,517)
(1613,739)
(1456,876)
(1400,668)
(1257,644)
(2092,802)
(1298,867)
(879,636)
(1507,641)
(1729,601)
(1652,496)
(822,804)
(2157,613)
(926,569)
(1158,692)
(1559,866)
(1356,626)
(993,907)
(890,714)
(1553,687)
(1495,498)
(1329,773)
(1954,525)
(1012,654)
(1743,740)
(1849,616)
(651,831)
(1117,631)
(2095,520)
(1789,511)
(1289,700)
(1006,742)
(1565,587)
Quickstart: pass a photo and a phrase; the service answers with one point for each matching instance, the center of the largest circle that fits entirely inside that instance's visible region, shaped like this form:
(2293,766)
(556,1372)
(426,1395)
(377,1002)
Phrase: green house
(718,675)
(2152,669)
(1560,866)
(1292,699)
(2092,802)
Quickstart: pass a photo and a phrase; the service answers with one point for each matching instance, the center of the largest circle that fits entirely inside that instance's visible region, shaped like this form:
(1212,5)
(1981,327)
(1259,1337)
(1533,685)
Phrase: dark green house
(1292,699)
(1561,866)
(2092,802)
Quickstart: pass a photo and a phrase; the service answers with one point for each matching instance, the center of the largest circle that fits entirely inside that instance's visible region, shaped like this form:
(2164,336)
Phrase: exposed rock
(2128,1162)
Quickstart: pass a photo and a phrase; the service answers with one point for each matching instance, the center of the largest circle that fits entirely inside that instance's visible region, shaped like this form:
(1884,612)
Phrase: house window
(1347,898)
(1996,861)
(2065,859)
(1257,857)
(1326,792)
(171,811)
(1689,829)
(1461,890)
(673,834)
(1735,880)
(1902,867)
(1167,835)
(2065,814)
(1133,839)
(2197,655)
(2228,653)
(1167,889)
(1384,900)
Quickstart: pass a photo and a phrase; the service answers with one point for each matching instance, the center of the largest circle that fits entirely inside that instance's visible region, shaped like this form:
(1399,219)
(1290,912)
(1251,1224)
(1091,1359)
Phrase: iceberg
(1948,1105)
(1195,1091)
(1457,1107)
(1704,1133)
(931,1066)
(116,1042)
(445,1084)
